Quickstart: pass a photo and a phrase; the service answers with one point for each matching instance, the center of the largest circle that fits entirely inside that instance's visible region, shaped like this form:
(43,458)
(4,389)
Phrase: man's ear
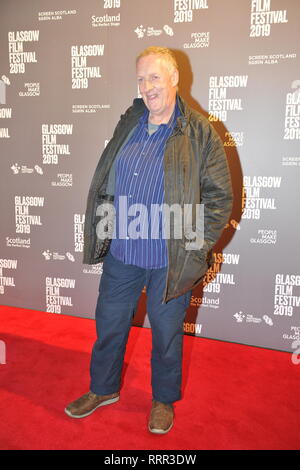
(175,77)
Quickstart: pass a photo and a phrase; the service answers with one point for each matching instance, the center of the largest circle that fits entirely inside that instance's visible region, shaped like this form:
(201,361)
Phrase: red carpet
(234,396)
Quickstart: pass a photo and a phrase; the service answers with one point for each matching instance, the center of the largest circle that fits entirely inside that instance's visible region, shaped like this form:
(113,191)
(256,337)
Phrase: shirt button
(135,174)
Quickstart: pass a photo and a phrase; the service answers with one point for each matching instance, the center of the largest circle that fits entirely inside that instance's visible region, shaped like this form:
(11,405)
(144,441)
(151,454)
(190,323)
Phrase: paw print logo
(47,254)
(15,168)
(140,31)
(239,316)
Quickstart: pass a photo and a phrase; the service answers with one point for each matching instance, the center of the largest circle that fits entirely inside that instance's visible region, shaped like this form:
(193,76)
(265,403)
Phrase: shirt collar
(172,121)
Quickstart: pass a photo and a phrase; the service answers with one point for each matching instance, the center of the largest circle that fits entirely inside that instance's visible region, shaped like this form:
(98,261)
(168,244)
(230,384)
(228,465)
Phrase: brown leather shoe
(85,405)
(161,418)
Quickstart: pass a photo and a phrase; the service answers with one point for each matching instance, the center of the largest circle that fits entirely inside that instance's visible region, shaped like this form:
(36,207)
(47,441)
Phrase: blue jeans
(119,292)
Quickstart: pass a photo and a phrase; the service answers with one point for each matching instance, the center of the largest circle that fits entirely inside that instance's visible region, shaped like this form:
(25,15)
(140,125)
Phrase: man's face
(157,85)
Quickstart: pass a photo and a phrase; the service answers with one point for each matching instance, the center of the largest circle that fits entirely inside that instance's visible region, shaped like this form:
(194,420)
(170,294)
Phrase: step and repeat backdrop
(67,73)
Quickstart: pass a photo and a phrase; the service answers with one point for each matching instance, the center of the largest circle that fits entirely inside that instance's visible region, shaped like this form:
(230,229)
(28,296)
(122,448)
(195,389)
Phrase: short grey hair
(164,53)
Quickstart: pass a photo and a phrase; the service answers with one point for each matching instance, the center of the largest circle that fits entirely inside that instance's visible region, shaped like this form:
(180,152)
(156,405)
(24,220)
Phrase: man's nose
(148,85)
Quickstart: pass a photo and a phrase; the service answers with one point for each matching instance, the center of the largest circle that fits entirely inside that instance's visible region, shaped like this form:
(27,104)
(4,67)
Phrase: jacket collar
(182,121)
(184,118)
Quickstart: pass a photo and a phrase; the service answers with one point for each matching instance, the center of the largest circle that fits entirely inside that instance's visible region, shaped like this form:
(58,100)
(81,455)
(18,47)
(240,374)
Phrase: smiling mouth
(152,97)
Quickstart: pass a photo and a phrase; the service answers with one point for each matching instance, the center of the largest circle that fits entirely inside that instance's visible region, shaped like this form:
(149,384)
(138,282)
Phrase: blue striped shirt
(139,179)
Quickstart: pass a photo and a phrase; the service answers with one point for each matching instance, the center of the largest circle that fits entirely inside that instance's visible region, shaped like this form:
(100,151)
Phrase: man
(162,153)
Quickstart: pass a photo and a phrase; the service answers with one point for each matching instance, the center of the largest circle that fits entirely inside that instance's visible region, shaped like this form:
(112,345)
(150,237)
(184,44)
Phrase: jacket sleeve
(216,189)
